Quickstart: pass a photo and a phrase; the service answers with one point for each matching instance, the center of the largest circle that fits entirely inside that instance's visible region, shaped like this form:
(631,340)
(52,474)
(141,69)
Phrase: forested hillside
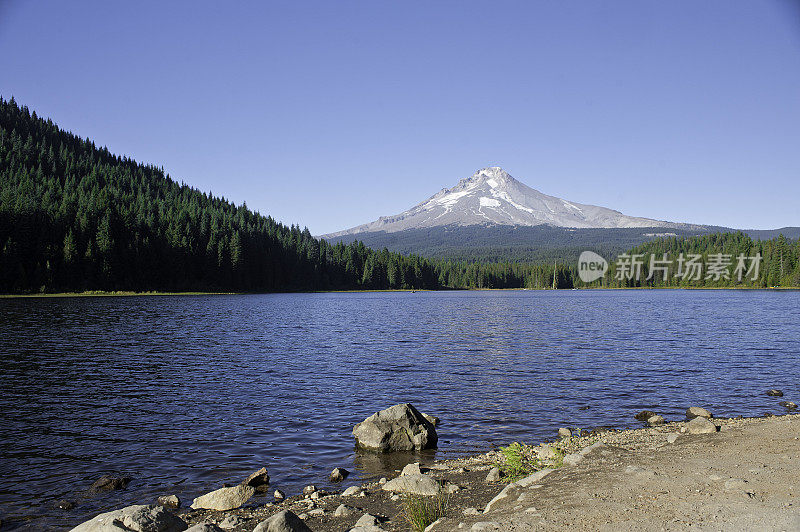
(724,259)
(76,217)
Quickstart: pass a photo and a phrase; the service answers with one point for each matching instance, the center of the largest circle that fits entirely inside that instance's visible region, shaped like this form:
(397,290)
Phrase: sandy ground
(745,477)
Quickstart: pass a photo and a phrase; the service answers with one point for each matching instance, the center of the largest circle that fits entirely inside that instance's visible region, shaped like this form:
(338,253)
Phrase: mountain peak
(491,196)
(494,176)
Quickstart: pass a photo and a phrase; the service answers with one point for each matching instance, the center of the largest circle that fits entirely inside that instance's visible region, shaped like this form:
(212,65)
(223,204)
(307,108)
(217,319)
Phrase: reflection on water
(185,393)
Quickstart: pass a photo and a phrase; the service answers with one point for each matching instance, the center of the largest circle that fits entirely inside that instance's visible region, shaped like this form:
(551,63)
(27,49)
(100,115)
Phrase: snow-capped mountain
(492,196)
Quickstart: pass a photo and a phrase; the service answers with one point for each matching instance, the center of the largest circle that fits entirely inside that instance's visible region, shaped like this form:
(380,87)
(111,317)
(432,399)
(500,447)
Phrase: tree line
(75,217)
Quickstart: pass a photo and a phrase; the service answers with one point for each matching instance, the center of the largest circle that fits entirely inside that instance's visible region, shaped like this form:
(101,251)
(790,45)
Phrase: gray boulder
(224,498)
(138,518)
(655,420)
(644,415)
(564,432)
(695,411)
(285,521)
(413,485)
(398,428)
(700,425)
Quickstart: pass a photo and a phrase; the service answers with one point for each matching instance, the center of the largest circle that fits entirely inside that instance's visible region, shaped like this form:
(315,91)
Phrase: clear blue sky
(330,114)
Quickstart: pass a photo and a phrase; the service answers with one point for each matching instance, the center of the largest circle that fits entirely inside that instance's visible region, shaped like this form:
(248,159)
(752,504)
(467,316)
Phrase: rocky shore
(702,472)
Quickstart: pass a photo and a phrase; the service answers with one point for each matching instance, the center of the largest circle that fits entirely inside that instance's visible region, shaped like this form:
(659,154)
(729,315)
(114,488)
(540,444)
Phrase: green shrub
(422,511)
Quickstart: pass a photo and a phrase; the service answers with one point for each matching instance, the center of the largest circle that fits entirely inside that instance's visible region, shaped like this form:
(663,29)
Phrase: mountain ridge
(492,196)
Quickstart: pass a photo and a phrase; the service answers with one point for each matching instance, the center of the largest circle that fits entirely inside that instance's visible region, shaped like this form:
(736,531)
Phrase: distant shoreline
(126,293)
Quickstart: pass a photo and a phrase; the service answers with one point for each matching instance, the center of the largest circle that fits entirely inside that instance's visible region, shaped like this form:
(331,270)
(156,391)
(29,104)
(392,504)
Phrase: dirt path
(745,477)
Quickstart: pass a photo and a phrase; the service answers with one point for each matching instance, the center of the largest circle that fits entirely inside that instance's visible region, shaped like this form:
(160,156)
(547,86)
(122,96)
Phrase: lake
(185,393)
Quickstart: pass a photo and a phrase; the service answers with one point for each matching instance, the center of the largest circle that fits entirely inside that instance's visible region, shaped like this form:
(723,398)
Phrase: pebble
(352,491)
(339,474)
(169,501)
(644,415)
(231,521)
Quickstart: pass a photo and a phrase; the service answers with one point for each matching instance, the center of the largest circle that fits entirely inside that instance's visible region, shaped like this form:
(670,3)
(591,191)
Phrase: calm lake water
(185,393)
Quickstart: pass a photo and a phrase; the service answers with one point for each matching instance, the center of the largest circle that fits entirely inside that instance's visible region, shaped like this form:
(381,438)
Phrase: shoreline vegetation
(75,217)
(663,476)
(124,293)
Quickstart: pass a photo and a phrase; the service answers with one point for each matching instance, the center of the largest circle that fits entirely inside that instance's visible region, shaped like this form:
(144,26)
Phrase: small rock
(413,485)
(316,512)
(471,511)
(352,491)
(545,452)
(655,420)
(788,405)
(138,517)
(494,475)
(671,438)
(308,490)
(775,393)
(695,411)
(343,511)
(431,526)
(224,498)
(451,488)
(564,432)
(278,495)
(110,483)
(644,415)
(411,469)
(64,504)
(169,501)
(395,497)
(339,474)
(317,495)
(204,527)
(735,484)
(367,520)
(382,480)
(231,521)
(284,521)
(258,480)
(700,425)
